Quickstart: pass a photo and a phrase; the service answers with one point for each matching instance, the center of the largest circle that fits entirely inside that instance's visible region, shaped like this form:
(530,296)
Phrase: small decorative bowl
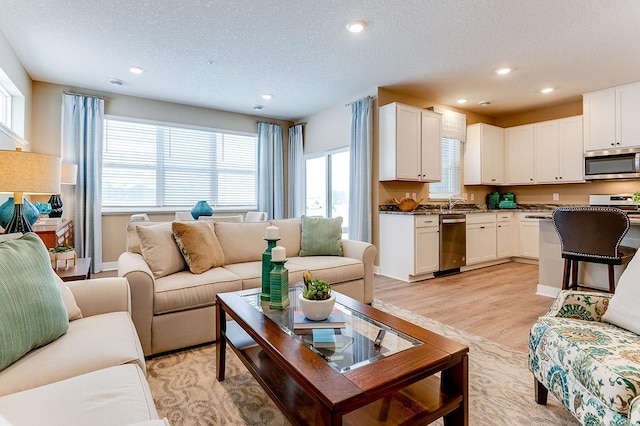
(407,204)
(316,310)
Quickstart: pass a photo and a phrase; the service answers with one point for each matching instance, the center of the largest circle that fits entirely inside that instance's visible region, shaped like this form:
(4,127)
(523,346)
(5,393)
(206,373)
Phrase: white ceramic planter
(316,310)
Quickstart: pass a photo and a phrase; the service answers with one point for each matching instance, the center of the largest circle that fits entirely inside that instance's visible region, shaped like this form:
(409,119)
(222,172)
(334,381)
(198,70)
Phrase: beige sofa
(178,310)
(93,374)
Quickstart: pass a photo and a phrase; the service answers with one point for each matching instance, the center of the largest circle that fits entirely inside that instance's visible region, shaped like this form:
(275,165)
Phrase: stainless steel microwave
(612,164)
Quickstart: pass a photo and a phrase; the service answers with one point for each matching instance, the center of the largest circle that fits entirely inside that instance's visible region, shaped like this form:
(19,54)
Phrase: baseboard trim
(547,291)
(109,266)
(484,264)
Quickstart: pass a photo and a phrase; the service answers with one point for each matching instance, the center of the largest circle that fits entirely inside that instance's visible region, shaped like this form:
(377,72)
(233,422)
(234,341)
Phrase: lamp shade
(29,172)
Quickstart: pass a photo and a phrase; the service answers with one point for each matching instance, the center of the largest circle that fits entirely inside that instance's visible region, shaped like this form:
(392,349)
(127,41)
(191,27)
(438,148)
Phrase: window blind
(150,165)
(449,186)
(454,132)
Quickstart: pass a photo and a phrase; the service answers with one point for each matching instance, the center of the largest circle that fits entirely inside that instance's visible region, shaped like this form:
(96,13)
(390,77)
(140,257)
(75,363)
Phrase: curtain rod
(84,94)
(353,102)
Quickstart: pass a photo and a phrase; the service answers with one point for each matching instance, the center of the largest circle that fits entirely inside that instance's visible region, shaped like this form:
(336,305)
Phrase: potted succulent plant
(316,299)
(65,253)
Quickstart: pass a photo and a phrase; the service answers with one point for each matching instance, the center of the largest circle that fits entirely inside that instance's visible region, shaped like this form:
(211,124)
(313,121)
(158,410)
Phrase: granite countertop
(427,209)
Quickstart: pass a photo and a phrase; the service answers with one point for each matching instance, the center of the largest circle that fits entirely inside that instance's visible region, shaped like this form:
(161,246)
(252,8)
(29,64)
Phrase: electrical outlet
(472,196)
(556,196)
(464,196)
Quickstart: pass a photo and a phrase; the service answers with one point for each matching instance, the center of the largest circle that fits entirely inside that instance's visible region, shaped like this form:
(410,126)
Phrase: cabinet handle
(560,177)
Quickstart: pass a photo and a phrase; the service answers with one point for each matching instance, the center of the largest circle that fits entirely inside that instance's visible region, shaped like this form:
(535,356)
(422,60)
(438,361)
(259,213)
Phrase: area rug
(185,389)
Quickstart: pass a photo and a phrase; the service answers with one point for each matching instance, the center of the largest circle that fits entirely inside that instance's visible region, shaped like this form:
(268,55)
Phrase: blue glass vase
(202,208)
(29,211)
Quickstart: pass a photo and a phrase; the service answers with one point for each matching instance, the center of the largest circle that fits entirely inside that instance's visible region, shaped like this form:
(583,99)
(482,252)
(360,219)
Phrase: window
(5,107)
(327,186)
(151,165)
(449,186)
(454,132)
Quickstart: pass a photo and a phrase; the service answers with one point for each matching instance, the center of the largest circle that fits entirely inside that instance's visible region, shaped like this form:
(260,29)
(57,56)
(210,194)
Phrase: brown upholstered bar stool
(591,234)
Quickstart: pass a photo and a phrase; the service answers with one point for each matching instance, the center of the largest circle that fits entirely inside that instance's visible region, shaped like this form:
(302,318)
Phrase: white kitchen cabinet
(528,237)
(519,141)
(504,235)
(427,245)
(409,245)
(559,150)
(611,118)
(481,238)
(410,143)
(484,155)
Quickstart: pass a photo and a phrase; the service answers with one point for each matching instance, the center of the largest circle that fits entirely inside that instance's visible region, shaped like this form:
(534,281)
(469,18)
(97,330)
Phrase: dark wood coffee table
(355,383)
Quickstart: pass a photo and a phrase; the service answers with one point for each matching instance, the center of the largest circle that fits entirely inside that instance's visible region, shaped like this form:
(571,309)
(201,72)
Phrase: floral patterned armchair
(591,366)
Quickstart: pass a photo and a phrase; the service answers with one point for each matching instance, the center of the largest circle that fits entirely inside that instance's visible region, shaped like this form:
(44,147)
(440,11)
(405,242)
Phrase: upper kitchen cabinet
(610,118)
(410,143)
(559,150)
(484,155)
(520,154)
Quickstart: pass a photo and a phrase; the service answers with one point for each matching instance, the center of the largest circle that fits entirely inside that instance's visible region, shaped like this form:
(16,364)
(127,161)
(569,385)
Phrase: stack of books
(336,320)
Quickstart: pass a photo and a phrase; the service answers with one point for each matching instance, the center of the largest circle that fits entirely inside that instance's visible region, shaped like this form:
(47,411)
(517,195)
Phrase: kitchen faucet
(453,202)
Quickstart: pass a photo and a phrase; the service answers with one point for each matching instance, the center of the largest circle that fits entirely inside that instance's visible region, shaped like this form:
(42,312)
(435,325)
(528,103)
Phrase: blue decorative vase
(29,211)
(202,208)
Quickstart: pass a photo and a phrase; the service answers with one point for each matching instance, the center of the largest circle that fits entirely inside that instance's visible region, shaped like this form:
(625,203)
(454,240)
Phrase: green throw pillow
(32,313)
(321,236)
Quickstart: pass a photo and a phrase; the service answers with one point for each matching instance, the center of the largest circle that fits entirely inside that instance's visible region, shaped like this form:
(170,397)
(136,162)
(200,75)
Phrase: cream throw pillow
(242,242)
(73,311)
(133,241)
(160,250)
(623,307)
(199,245)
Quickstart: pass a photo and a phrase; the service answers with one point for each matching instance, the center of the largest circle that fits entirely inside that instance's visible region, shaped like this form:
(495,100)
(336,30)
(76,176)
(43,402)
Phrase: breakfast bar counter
(551,263)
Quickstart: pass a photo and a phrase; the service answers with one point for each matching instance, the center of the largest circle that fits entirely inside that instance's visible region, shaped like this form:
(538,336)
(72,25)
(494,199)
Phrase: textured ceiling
(300,51)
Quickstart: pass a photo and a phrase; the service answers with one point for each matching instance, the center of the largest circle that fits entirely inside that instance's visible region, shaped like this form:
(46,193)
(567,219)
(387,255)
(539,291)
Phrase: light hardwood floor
(498,303)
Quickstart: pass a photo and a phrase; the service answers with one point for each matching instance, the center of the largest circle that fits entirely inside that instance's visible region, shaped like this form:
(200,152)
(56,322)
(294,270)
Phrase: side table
(80,271)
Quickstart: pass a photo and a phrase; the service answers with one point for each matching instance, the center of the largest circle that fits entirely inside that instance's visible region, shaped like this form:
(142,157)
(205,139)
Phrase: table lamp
(27,172)
(68,176)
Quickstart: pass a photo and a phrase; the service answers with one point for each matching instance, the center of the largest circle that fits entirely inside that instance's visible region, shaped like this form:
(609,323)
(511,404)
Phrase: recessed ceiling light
(267,96)
(484,103)
(258,107)
(136,70)
(503,71)
(356,26)
(116,82)
(462,101)
(547,90)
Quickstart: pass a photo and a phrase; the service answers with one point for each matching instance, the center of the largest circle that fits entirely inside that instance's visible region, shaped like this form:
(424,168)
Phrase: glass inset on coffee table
(343,376)
(344,348)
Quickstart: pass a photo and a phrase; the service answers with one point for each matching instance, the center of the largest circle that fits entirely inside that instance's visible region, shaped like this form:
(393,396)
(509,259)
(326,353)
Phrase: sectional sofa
(174,308)
(69,353)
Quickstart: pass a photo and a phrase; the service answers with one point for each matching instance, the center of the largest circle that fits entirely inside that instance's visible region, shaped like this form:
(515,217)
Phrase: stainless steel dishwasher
(453,242)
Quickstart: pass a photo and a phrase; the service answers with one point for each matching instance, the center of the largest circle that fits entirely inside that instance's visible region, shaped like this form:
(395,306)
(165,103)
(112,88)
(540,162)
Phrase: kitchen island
(551,263)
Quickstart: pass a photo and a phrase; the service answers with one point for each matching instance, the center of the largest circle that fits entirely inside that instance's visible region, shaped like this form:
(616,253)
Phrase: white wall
(12,67)
(331,128)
